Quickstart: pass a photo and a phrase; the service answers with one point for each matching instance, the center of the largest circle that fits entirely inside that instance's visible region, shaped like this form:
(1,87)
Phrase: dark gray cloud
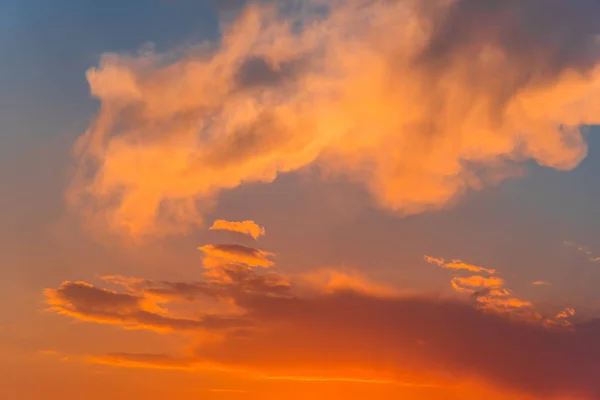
(281,330)
(435,335)
(87,302)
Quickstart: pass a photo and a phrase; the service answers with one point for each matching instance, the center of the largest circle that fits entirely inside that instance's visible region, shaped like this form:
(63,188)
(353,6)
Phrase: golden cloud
(245,227)
(416,101)
(236,253)
(458,265)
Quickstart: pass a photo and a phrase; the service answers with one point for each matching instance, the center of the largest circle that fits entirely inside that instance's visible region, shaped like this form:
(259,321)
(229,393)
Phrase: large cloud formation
(273,325)
(416,100)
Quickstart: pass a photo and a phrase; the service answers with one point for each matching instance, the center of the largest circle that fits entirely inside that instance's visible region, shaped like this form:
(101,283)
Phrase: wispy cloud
(491,293)
(458,265)
(229,391)
(541,283)
(350,380)
(583,250)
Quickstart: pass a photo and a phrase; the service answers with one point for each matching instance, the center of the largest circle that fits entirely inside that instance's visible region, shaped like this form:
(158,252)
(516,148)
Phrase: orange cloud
(331,280)
(354,337)
(475,283)
(490,293)
(458,265)
(462,94)
(244,227)
(86,302)
(238,254)
(152,361)
(346,329)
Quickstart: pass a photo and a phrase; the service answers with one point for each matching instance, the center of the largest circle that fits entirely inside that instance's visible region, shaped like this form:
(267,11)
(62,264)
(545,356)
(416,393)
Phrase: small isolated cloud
(541,283)
(248,227)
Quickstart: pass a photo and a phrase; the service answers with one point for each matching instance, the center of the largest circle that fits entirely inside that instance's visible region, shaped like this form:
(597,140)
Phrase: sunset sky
(300,199)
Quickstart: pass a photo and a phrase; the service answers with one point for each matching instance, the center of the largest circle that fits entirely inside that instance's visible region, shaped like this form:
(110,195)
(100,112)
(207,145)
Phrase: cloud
(245,227)
(88,303)
(583,250)
(475,283)
(541,283)
(490,293)
(332,280)
(465,92)
(238,254)
(458,265)
(153,361)
(273,327)
(354,336)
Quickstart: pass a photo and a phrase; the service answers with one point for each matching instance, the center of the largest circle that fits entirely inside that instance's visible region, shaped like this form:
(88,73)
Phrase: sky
(299,199)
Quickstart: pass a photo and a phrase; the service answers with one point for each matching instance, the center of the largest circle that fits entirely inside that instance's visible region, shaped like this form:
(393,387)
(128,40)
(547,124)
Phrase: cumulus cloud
(418,101)
(248,227)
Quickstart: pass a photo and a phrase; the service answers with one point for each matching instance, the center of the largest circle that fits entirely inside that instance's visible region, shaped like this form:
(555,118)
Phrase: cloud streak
(88,303)
(458,265)
(464,92)
(250,228)
(238,254)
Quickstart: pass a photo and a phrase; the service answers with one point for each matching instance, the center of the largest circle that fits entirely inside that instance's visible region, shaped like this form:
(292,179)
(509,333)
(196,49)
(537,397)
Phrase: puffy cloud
(245,227)
(416,100)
